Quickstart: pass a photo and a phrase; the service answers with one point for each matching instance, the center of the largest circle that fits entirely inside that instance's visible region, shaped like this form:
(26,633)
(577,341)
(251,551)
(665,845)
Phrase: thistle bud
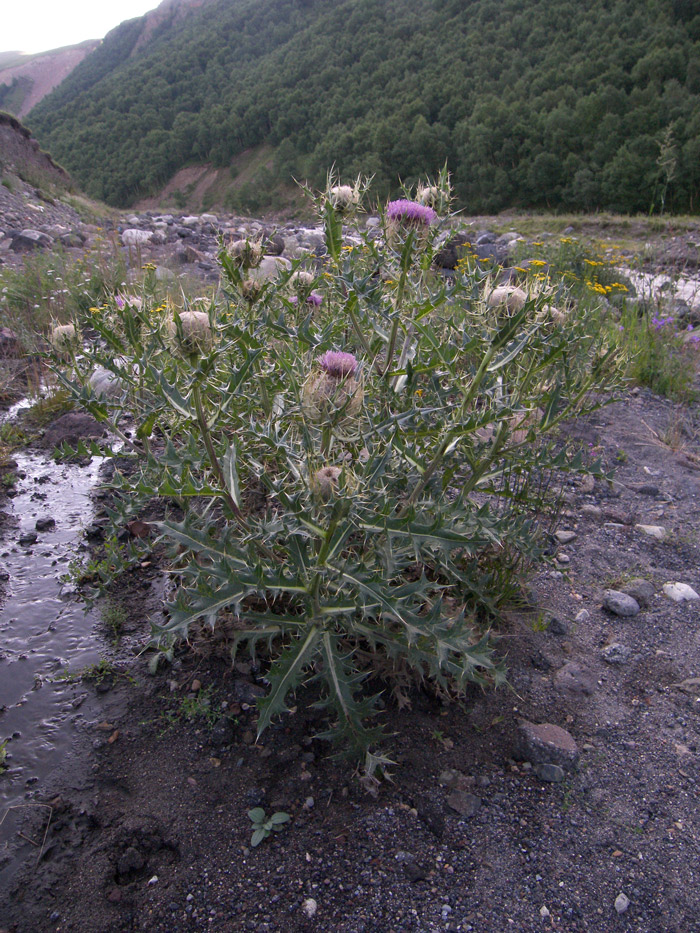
(429,195)
(251,290)
(509,296)
(302,282)
(324,482)
(191,331)
(246,254)
(334,391)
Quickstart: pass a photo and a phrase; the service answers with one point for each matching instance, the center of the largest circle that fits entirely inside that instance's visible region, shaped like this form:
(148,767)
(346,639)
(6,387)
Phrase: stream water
(44,629)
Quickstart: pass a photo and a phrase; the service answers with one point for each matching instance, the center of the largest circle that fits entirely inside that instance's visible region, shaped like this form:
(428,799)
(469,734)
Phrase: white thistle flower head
(247,254)
(511,297)
(429,195)
(190,331)
(345,198)
(437,196)
(64,337)
(302,282)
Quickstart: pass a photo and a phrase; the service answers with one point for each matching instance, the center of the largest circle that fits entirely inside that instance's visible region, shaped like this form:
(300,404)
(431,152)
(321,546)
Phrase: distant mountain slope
(20,155)
(26,79)
(531,102)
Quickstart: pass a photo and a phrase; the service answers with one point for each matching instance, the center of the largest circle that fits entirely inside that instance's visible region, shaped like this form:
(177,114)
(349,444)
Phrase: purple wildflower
(119,302)
(411,213)
(315,299)
(338,364)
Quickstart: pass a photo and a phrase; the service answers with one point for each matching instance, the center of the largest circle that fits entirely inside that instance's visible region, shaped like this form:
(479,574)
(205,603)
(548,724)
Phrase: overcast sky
(40,25)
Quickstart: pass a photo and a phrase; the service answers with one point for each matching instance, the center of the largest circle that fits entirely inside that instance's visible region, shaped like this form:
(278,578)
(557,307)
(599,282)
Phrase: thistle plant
(358,482)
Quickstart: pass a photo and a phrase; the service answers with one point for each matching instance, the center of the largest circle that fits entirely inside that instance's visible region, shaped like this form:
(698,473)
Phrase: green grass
(52,287)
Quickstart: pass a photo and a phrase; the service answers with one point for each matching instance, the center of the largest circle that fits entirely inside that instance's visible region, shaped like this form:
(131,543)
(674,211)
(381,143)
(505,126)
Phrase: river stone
(133,237)
(680,592)
(549,772)
(545,743)
(270,268)
(557,626)
(575,679)
(616,653)
(564,537)
(654,531)
(620,604)
(641,590)
(465,804)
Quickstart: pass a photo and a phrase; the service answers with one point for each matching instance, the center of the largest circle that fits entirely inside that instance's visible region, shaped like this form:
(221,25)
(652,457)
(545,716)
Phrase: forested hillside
(532,103)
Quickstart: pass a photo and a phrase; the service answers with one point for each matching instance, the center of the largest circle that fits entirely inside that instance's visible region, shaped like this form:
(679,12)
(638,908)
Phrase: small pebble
(309,907)
(654,531)
(616,653)
(622,902)
(548,772)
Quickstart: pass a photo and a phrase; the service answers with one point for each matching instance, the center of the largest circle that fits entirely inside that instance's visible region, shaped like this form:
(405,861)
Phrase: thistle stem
(216,466)
(213,459)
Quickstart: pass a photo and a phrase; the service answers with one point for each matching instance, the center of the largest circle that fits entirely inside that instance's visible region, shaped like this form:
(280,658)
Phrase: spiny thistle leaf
(286,674)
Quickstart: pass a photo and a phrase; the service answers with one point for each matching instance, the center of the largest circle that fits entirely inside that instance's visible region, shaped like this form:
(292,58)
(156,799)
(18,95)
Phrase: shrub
(359,477)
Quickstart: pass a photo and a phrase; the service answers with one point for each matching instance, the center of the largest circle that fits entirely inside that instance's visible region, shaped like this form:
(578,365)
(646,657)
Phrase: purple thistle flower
(338,364)
(411,213)
(119,302)
(315,299)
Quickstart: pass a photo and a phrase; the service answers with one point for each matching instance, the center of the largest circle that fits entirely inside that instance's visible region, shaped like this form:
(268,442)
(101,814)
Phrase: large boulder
(27,240)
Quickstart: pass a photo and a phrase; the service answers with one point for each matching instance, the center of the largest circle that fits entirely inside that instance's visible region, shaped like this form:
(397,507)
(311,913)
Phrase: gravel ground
(483,828)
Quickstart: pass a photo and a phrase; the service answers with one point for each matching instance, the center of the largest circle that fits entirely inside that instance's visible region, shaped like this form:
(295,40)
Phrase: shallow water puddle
(43,628)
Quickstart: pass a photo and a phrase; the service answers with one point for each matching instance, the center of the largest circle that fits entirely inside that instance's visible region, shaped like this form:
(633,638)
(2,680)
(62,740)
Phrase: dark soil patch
(149,830)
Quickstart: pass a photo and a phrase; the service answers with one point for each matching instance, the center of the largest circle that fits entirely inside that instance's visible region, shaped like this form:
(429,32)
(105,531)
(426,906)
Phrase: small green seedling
(262,826)
(3,756)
